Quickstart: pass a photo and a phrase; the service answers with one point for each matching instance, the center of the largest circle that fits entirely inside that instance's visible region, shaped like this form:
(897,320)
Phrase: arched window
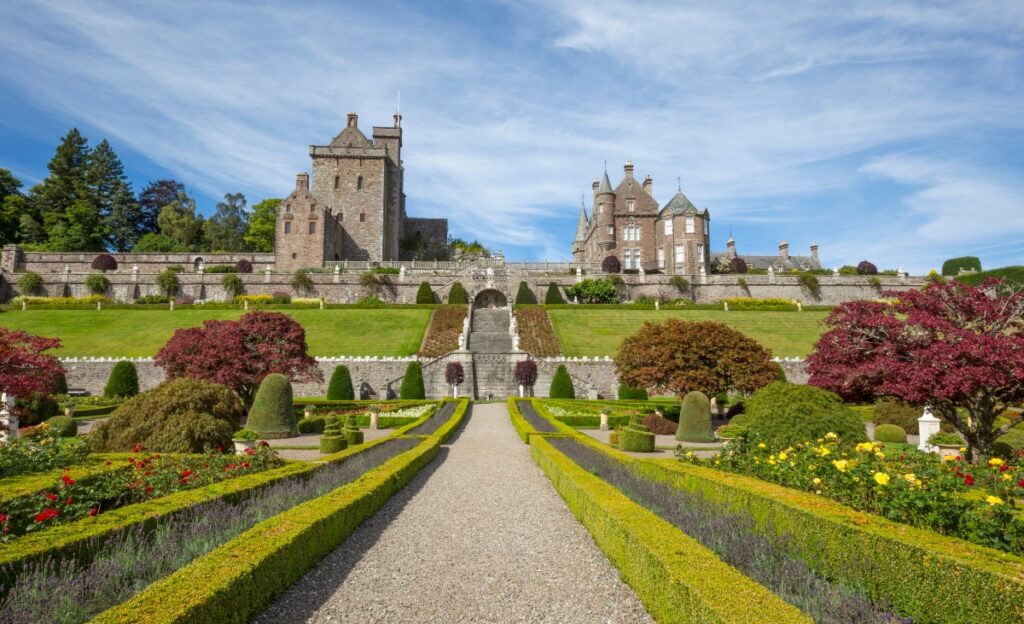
(198,264)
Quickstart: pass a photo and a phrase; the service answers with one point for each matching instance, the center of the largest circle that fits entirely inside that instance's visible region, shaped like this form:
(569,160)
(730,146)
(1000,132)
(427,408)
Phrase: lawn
(591,332)
(133,333)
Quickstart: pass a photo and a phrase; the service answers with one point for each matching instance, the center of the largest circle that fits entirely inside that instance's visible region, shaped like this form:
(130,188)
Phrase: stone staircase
(489,331)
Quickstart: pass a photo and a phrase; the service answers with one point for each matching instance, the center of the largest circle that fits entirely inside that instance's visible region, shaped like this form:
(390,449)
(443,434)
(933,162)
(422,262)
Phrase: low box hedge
(93,411)
(525,430)
(242,577)
(676,578)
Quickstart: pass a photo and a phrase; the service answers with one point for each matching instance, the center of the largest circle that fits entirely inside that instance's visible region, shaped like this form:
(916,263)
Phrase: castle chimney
(730,247)
(814,250)
(628,168)
(398,120)
(649,185)
(784,250)
(353,120)
(302,181)
(595,185)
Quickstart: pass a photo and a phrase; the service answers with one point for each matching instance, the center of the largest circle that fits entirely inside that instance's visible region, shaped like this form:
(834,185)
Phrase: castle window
(668,228)
(627,260)
(700,254)
(680,254)
(630,205)
(661,257)
(631,233)
(287,208)
(362,217)
(294,256)
(689,225)
(359,183)
(611,230)
(287,227)
(600,208)
(337,182)
(707,227)
(312,227)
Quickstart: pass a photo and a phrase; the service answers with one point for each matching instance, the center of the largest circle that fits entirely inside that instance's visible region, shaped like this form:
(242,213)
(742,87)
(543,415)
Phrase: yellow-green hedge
(238,580)
(676,578)
(525,430)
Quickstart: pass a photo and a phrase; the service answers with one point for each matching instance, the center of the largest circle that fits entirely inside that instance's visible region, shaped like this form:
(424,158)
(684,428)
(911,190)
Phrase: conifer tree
(152,199)
(62,188)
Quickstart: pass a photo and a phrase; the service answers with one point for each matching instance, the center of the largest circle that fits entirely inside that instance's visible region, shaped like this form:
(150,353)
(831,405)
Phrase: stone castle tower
(354,207)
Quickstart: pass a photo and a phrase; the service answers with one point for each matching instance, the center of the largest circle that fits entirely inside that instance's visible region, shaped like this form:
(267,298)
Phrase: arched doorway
(490,298)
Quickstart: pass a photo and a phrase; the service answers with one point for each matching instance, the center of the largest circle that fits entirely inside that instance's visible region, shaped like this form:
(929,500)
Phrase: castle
(354,209)
(626,223)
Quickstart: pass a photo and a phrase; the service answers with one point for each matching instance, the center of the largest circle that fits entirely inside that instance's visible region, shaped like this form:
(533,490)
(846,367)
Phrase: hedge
(24,484)
(750,304)
(656,559)
(525,430)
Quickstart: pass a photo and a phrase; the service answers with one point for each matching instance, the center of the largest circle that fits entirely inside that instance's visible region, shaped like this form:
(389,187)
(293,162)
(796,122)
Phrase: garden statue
(927,425)
(604,421)
(462,341)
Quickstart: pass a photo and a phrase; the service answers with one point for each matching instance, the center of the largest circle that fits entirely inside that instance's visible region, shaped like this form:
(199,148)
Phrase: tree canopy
(262,225)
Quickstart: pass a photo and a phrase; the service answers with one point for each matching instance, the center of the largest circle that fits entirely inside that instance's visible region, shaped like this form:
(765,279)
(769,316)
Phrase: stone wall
(50,263)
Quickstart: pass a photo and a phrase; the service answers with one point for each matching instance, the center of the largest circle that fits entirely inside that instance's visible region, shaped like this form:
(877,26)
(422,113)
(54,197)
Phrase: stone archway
(490,298)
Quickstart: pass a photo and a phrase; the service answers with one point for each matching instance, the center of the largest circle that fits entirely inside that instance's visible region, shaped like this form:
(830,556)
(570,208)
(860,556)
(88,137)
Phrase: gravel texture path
(479,535)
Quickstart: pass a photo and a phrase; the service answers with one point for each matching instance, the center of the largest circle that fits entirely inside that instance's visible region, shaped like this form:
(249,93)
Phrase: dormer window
(630,205)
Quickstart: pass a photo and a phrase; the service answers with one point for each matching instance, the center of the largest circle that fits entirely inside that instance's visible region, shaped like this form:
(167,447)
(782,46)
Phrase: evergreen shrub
(636,437)
(123,381)
(784,415)
(97,283)
(316,424)
(333,440)
(424,294)
(561,385)
(63,426)
(890,433)
(890,411)
(524,296)
(232,285)
(273,413)
(340,387)
(353,435)
(968,263)
(412,382)
(554,295)
(695,419)
(632,394)
(457,294)
(30,283)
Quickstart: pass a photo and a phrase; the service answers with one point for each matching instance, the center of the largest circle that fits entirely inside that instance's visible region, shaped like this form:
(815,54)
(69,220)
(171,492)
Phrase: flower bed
(583,419)
(437,419)
(41,451)
(951,497)
(526,421)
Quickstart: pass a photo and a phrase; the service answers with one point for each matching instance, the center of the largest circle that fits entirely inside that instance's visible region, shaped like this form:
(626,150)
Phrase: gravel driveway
(478,536)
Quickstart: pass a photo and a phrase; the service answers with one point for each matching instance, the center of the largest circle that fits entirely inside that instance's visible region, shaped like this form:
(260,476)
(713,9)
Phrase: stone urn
(374,415)
(948,450)
(243,446)
(604,421)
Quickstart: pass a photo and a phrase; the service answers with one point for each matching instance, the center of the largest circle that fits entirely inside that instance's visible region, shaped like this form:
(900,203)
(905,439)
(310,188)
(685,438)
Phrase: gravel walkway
(478,536)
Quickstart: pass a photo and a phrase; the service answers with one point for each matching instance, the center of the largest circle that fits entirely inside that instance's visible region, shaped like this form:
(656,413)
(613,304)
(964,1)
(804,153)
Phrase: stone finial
(595,185)
(353,120)
(302,181)
(398,120)
(814,249)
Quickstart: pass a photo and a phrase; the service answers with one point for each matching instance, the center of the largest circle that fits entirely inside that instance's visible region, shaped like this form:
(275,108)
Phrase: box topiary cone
(272,414)
(695,419)
(332,440)
(352,433)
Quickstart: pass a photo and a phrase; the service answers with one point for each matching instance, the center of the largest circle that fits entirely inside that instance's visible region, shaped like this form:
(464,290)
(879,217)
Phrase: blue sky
(890,131)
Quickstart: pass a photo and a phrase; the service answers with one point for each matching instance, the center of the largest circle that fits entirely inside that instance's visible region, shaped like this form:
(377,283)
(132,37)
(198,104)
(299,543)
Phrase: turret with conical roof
(579,245)
(604,210)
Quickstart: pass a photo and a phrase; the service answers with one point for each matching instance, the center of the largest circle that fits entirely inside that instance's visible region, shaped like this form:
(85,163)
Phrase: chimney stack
(595,185)
(398,120)
(814,250)
(353,120)
(302,181)
(649,185)
(784,250)
(628,168)
(730,246)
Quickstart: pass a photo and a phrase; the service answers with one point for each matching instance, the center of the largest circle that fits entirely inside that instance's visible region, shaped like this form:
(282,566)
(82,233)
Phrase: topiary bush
(273,413)
(967,263)
(635,437)
(316,424)
(524,295)
(890,433)
(181,416)
(424,294)
(104,262)
(340,387)
(333,439)
(243,266)
(63,426)
(632,394)
(233,285)
(123,381)
(554,295)
(412,383)
(695,418)
(353,435)
(30,283)
(561,385)
(97,283)
(611,264)
(784,415)
(890,411)
(457,294)
(780,372)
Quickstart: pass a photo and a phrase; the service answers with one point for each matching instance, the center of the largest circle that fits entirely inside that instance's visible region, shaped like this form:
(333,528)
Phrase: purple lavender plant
(536,421)
(432,424)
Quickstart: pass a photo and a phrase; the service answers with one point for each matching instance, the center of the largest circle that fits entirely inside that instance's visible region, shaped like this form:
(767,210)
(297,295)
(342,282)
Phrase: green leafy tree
(554,295)
(561,385)
(226,229)
(153,242)
(340,387)
(233,285)
(12,206)
(262,225)
(179,222)
(168,282)
(153,198)
(967,263)
(594,291)
(97,283)
(412,383)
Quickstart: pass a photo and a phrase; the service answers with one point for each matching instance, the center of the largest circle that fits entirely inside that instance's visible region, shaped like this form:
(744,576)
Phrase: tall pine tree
(12,204)
(124,222)
(152,199)
(63,188)
(113,196)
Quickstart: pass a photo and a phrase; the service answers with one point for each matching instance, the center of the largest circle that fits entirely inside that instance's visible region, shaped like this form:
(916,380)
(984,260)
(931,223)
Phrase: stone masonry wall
(49,263)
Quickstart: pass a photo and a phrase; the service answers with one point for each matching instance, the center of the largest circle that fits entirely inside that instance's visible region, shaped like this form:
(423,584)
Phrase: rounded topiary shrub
(123,381)
(890,411)
(340,387)
(611,264)
(273,414)
(97,283)
(63,426)
(243,266)
(424,294)
(561,385)
(412,382)
(524,296)
(890,433)
(316,424)
(636,437)
(180,416)
(695,419)
(632,394)
(554,295)
(333,440)
(30,283)
(353,435)
(104,262)
(783,415)
(457,294)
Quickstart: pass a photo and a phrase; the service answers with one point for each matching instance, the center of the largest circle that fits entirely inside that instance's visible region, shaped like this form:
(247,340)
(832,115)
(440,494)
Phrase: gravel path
(478,536)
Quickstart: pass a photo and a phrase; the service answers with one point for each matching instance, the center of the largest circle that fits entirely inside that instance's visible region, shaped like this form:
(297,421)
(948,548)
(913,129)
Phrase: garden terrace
(536,332)
(442,335)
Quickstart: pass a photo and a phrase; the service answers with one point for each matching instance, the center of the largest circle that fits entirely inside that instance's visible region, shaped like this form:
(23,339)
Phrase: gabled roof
(606,185)
(582,225)
(678,205)
(351,136)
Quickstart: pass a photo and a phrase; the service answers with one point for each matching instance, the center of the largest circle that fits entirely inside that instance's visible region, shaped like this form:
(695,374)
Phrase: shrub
(454,374)
(340,387)
(167,282)
(611,264)
(681,283)
(561,385)
(412,382)
(232,285)
(738,265)
(659,425)
(104,262)
(636,438)
(97,283)
(594,291)
(280,297)
(890,411)
(783,415)
(780,372)
(1008,445)
(695,418)
(526,373)
(628,393)
(184,300)
(353,435)
(302,283)
(243,266)
(866,268)
(730,431)
(123,381)
(333,439)
(273,413)
(524,296)
(954,265)
(316,424)
(152,299)
(219,268)
(554,295)
(775,304)
(63,426)
(457,294)
(810,283)
(30,283)
(424,294)
(890,433)
(180,416)
(946,438)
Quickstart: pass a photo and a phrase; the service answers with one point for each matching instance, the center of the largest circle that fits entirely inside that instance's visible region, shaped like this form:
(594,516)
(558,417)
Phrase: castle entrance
(490,298)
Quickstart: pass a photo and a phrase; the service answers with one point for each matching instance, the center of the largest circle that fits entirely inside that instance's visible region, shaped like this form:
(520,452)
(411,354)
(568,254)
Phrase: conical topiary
(632,394)
(123,381)
(272,414)
(554,295)
(333,440)
(561,385)
(525,296)
(412,383)
(636,437)
(424,294)
(340,388)
(352,433)
(695,419)
(457,294)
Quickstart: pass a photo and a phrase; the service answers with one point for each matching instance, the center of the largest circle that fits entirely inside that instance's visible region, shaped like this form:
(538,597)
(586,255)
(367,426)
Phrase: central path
(480,535)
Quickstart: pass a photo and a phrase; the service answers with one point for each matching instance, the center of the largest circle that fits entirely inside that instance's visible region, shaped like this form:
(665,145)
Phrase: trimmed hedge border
(656,559)
(525,430)
(84,413)
(244,575)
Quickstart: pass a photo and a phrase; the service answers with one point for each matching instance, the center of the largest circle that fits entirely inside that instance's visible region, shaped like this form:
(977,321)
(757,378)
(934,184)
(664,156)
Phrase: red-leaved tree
(526,373)
(956,348)
(454,374)
(239,354)
(26,372)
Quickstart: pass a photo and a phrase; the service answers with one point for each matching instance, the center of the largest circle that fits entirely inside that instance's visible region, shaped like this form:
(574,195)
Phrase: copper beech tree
(26,371)
(678,357)
(955,348)
(239,354)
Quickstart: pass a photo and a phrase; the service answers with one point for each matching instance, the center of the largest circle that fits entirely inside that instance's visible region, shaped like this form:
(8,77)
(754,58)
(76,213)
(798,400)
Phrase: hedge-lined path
(478,536)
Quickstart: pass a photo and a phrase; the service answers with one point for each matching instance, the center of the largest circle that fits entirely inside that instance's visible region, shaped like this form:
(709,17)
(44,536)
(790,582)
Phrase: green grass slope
(590,332)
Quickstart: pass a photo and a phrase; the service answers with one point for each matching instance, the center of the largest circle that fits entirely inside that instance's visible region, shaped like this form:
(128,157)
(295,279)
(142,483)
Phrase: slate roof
(606,185)
(582,225)
(776,262)
(678,204)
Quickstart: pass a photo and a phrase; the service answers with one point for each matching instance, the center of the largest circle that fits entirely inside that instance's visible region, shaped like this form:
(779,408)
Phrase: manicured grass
(133,333)
(590,332)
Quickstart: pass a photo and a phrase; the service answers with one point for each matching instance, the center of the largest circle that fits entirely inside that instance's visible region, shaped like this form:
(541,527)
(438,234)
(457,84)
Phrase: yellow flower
(831,436)
(762,445)
(816,481)
(689,453)
(865,447)
(963,449)
(856,479)
(840,465)
(995,461)
(772,456)
(1006,476)
(783,456)
(910,477)
(881,478)
(949,458)
(880,455)
(994,500)
(823,451)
